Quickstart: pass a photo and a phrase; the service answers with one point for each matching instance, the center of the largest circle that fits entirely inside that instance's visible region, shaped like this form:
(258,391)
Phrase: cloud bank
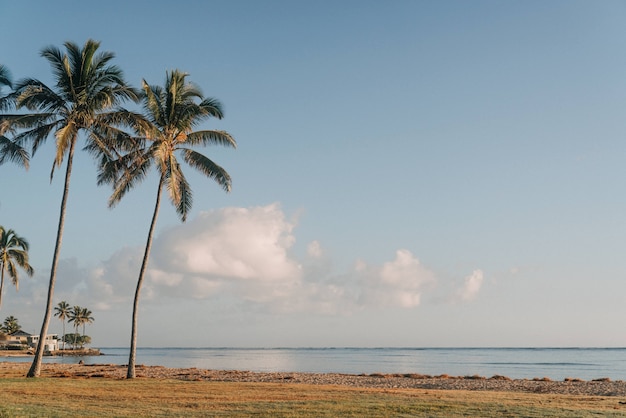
(246,255)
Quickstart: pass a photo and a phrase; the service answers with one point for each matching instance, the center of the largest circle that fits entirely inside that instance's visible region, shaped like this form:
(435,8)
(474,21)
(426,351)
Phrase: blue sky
(409,173)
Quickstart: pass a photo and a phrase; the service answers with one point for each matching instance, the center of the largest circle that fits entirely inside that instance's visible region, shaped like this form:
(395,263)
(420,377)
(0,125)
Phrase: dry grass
(71,391)
(106,397)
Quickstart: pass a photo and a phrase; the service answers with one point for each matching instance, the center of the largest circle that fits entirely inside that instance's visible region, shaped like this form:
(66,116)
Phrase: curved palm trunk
(144,264)
(35,368)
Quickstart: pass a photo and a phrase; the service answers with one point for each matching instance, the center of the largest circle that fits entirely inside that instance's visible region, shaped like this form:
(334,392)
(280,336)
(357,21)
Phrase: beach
(574,387)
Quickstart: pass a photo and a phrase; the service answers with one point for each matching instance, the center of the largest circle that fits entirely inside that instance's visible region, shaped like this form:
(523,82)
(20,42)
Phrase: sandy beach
(601,387)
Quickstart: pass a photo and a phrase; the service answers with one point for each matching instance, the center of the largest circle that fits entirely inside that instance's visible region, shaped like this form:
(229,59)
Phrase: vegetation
(172,112)
(76,340)
(62,311)
(10,325)
(85,102)
(85,97)
(8,150)
(61,397)
(13,254)
(79,316)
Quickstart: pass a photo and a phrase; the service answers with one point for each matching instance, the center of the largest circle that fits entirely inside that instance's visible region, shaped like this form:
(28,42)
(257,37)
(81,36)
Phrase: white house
(52,342)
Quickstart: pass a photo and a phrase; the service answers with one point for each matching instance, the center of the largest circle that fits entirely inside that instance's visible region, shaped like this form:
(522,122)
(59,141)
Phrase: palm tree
(13,254)
(88,89)
(86,318)
(62,311)
(173,111)
(76,318)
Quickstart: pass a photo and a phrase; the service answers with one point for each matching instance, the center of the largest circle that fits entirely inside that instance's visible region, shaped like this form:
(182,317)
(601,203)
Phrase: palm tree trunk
(35,368)
(144,264)
(1,282)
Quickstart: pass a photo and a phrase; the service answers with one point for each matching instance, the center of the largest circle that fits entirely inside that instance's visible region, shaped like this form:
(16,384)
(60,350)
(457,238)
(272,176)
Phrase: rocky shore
(599,387)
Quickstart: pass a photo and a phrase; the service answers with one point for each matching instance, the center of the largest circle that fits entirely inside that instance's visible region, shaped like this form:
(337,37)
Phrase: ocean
(519,363)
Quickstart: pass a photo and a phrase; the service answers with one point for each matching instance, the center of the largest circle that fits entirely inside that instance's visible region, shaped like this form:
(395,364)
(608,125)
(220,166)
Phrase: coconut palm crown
(13,254)
(173,111)
(84,99)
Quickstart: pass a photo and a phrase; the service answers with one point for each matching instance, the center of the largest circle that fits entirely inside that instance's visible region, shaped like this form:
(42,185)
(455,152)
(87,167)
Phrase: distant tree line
(78,316)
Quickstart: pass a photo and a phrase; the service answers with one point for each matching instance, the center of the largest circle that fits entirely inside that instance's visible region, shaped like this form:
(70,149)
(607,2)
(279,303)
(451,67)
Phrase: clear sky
(409,173)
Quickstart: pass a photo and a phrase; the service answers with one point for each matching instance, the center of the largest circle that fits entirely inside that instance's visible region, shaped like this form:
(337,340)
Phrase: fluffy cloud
(237,243)
(245,256)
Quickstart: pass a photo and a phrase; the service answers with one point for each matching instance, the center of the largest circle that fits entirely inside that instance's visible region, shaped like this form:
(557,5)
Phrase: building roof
(20,333)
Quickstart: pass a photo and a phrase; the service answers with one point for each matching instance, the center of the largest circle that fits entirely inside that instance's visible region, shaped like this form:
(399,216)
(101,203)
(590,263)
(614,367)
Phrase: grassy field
(94,397)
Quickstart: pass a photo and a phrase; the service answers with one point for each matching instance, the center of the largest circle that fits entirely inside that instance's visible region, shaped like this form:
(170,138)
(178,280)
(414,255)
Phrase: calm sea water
(555,363)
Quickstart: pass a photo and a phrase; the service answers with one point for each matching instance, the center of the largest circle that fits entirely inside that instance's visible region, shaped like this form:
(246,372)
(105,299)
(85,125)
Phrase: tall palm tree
(85,98)
(173,112)
(13,254)
(62,311)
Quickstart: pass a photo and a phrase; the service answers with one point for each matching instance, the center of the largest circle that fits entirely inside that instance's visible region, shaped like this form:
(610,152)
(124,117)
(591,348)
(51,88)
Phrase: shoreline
(573,386)
(58,353)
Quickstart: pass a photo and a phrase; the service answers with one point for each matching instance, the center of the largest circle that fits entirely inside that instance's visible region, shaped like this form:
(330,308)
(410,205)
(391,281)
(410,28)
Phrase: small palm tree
(13,254)
(76,318)
(84,99)
(62,311)
(173,112)
(86,318)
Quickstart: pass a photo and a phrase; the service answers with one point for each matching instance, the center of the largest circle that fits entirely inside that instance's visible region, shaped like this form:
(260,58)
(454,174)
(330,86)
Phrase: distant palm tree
(62,311)
(86,318)
(75,317)
(13,254)
(87,90)
(173,112)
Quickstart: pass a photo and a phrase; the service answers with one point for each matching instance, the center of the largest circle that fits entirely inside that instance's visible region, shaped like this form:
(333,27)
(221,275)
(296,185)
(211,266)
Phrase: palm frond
(5,76)
(209,137)
(180,193)
(207,167)
(212,107)
(10,151)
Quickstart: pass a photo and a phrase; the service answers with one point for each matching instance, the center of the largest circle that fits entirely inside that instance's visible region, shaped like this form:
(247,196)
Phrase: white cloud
(314,249)
(471,285)
(239,243)
(400,282)
(244,255)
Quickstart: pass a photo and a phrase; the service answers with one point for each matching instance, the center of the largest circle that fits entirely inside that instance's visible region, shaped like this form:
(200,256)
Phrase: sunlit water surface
(555,363)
